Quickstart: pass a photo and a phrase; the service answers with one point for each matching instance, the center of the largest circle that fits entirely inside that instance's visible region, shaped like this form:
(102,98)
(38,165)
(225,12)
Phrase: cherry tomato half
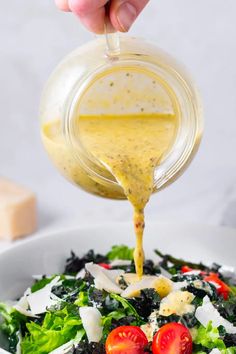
(126,340)
(222,288)
(172,338)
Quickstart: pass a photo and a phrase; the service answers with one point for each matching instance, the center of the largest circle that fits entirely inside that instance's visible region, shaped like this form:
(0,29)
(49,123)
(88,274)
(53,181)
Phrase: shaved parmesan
(193,272)
(24,312)
(22,305)
(147,328)
(63,349)
(105,279)
(207,312)
(2,351)
(41,300)
(162,285)
(215,351)
(134,289)
(112,274)
(152,326)
(18,347)
(120,263)
(131,278)
(81,274)
(92,323)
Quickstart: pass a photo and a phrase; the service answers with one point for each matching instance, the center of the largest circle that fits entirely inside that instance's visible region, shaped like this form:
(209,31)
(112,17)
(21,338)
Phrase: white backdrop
(34,36)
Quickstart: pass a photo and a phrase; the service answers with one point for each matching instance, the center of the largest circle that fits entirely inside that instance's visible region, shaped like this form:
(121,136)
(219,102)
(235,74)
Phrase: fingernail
(126,15)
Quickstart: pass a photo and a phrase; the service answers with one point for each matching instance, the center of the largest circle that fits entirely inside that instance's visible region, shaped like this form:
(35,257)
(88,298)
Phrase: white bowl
(47,254)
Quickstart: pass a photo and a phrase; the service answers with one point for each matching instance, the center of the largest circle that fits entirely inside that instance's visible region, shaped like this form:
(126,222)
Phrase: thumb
(123,13)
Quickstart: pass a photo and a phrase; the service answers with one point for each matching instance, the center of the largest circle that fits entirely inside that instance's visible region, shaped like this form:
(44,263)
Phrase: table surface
(34,37)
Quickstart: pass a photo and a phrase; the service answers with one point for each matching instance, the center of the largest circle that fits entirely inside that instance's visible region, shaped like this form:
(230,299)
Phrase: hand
(122,13)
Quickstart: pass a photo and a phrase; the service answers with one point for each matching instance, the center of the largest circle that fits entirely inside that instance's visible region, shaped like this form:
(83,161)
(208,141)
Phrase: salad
(99,306)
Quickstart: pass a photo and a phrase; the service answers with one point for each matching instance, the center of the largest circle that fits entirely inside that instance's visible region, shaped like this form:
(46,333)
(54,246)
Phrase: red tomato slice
(172,338)
(104,265)
(222,288)
(126,340)
(186,269)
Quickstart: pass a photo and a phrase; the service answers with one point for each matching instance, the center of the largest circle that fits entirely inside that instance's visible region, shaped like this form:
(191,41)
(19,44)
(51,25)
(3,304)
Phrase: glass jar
(138,78)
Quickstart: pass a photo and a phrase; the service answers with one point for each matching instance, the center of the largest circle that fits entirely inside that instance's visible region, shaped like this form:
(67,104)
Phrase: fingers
(123,13)
(92,12)
(94,21)
(85,7)
(62,5)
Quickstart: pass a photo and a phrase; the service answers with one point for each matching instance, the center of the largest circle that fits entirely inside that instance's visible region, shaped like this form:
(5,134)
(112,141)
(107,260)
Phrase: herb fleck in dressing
(130,146)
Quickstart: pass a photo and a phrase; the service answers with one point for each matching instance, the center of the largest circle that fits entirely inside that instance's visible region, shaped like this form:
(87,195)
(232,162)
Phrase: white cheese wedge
(162,285)
(17,210)
(105,279)
(147,328)
(81,274)
(92,323)
(151,327)
(41,300)
(131,278)
(207,312)
(2,351)
(22,305)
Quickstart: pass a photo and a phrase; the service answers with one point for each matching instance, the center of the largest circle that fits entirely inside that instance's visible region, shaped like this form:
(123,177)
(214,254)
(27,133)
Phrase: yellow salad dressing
(130,146)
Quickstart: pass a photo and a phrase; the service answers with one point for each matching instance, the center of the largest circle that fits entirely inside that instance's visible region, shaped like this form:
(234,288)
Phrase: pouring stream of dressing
(130,146)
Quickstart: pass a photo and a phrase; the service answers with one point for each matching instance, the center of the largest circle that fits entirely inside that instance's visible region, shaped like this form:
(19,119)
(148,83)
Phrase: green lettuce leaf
(231,350)
(82,299)
(209,337)
(120,252)
(11,322)
(58,327)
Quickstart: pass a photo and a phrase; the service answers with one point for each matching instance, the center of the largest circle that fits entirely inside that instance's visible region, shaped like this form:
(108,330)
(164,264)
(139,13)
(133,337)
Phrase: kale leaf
(74,264)
(180,262)
(69,289)
(89,348)
(148,301)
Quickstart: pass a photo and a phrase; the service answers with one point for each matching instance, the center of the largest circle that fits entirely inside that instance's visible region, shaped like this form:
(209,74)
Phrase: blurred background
(35,36)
